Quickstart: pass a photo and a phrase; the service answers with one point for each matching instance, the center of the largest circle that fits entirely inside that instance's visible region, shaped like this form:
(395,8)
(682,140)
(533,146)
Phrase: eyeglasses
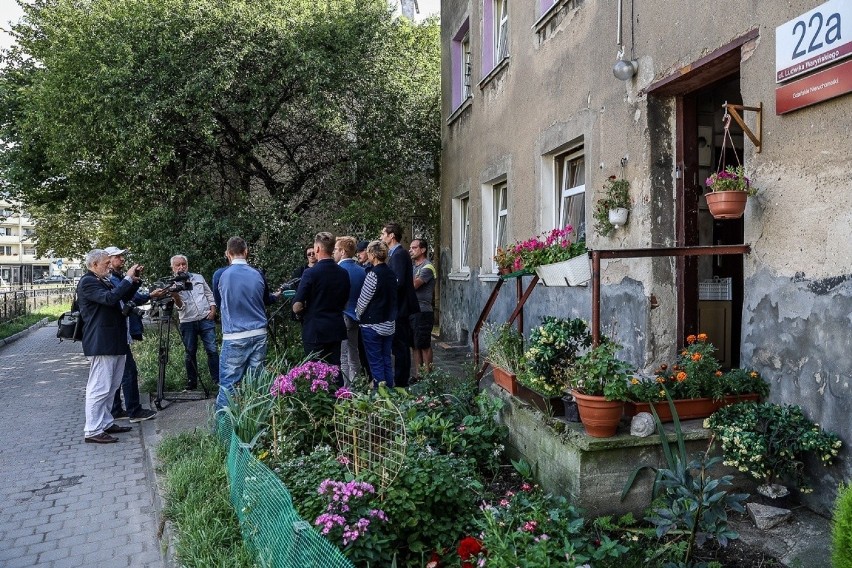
(310,254)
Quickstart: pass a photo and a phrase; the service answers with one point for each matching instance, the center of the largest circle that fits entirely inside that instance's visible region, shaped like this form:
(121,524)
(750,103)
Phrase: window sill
(498,69)
(545,18)
(489,277)
(459,276)
(466,104)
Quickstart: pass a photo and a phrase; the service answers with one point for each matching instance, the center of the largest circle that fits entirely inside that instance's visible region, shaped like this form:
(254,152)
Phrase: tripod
(164,333)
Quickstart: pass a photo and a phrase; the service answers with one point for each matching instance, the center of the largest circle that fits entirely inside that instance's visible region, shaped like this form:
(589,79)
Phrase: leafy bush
(504,346)
(769,441)
(553,348)
(600,373)
(841,529)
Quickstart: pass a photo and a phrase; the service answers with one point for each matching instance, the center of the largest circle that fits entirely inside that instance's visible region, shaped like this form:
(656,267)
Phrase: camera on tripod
(177,283)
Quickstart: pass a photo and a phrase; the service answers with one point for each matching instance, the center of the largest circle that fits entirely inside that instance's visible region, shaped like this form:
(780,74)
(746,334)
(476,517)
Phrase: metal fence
(23,300)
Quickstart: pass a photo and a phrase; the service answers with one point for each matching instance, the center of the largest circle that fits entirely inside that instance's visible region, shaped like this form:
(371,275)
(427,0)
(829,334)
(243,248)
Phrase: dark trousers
(362,355)
(189,334)
(402,352)
(378,348)
(130,387)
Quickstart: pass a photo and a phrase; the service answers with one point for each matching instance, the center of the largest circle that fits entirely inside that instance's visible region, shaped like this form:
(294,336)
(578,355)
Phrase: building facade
(536,122)
(19,263)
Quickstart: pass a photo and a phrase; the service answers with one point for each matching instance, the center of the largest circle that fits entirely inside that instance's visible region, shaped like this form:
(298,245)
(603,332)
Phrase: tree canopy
(169,125)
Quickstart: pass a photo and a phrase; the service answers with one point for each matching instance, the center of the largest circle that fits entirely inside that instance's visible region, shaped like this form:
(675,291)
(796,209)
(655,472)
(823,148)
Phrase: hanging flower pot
(727,204)
(618,216)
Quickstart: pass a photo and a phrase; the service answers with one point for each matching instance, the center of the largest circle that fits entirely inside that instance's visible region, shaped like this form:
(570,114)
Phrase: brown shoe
(102,438)
(116,429)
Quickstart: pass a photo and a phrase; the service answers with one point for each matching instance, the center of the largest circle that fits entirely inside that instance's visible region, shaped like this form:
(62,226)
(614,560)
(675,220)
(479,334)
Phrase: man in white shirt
(196,310)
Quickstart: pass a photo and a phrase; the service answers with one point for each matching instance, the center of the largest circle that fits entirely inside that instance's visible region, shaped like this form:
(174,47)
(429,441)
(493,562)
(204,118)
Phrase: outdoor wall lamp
(624,69)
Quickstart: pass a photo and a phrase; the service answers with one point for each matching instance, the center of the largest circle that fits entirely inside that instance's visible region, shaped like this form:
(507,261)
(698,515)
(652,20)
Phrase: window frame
(501,30)
(461,234)
(563,192)
(458,93)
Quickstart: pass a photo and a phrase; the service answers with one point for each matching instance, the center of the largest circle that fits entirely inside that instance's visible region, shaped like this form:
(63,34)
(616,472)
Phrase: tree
(265,118)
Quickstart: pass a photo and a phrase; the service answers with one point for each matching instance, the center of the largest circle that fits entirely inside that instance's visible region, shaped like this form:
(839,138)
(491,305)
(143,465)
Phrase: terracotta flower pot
(550,405)
(687,408)
(506,380)
(727,204)
(600,417)
(504,270)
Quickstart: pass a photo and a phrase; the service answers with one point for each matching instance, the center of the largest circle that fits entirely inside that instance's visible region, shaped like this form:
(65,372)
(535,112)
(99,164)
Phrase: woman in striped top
(376,311)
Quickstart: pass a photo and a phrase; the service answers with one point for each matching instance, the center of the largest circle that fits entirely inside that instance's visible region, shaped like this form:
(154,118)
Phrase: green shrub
(841,529)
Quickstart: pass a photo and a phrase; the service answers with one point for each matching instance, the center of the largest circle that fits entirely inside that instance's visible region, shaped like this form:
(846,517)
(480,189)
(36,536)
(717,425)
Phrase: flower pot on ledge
(505,380)
(688,408)
(551,405)
(600,417)
(572,272)
(727,204)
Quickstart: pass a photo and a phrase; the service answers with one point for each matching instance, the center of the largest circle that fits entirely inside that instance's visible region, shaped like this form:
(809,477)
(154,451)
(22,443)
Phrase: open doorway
(710,289)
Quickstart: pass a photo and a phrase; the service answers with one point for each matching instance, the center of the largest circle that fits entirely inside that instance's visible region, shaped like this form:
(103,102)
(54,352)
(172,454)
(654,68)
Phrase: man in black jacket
(406,302)
(105,341)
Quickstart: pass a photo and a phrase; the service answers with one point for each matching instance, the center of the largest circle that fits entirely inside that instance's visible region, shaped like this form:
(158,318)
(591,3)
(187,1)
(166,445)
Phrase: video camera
(177,283)
(290,285)
(131,307)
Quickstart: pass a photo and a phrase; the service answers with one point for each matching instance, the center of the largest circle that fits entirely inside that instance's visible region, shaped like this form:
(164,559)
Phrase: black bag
(70,326)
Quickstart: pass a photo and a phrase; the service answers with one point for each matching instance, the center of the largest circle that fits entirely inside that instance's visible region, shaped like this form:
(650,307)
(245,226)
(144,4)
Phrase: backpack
(70,324)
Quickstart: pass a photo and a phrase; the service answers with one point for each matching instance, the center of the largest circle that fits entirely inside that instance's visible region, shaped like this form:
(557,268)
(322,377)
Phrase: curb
(150,439)
(24,333)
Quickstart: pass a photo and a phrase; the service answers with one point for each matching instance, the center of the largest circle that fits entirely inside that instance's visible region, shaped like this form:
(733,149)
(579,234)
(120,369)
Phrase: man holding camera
(105,341)
(196,310)
(130,379)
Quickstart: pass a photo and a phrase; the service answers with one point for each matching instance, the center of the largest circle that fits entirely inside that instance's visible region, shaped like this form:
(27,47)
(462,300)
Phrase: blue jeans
(378,350)
(130,387)
(239,356)
(189,333)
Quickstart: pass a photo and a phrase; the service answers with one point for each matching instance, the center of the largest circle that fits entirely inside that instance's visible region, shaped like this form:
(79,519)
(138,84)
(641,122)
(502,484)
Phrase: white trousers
(350,360)
(104,379)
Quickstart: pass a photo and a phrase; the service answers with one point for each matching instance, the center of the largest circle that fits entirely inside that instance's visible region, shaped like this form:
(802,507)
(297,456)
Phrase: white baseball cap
(115,251)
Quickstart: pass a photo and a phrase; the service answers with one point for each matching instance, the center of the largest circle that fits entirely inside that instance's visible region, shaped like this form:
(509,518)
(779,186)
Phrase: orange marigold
(661,380)
(753,374)
(690,339)
(696,356)
(634,381)
(681,377)
(718,373)
(684,352)
(702,337)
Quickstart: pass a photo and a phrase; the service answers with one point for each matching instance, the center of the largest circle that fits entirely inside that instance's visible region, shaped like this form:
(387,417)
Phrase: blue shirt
(244,294)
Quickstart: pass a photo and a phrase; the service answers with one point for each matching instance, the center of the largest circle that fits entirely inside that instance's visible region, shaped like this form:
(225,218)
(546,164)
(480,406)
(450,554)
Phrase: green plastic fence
(269,523)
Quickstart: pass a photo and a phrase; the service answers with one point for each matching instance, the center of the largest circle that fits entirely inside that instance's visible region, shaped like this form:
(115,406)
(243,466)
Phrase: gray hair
(178,256)
(94,256)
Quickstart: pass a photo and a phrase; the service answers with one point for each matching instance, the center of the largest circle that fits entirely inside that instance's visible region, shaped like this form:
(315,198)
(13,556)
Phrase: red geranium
(469,548)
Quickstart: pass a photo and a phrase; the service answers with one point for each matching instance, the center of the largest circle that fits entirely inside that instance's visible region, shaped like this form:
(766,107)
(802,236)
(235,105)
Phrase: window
(5,251)
(5,231)
(461,233)
(30,251)
(501,30)
(501,216)
(495,33)
(460,65)
(546,5)
(570,176)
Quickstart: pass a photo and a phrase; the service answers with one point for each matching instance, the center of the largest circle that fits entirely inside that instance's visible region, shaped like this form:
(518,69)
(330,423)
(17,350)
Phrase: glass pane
(574,214)
(465,232)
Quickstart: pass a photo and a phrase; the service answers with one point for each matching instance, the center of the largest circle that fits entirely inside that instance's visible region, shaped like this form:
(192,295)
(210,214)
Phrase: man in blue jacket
(130,379)
(350,360)
(105,341)
(244,295)
(321,299)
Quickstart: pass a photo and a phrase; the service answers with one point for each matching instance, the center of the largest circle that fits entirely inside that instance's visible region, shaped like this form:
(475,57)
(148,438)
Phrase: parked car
(55,279)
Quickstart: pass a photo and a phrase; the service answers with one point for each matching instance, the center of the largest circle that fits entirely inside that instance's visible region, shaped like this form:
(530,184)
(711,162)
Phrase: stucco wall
(797,307)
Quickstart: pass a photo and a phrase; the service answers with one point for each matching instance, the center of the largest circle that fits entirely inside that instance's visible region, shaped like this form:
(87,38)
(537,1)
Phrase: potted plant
(599,383)
(612,210)
(696,383)
(505,260)
(552,349)
(558,257)
(505,353)
(729,190)
(769,443)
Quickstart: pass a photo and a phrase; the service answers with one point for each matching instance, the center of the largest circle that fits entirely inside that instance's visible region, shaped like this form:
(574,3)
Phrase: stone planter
(600,417)
(727,204)
(551,405)
(506,380)
(687,408)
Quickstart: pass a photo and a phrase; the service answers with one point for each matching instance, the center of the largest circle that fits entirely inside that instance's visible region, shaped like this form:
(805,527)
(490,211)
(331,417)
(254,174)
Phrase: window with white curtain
(461,233)
(501,30)
(570,172)
(501,216)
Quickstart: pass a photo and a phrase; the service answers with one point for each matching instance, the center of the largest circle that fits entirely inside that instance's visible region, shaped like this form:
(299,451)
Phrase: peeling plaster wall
(557,87)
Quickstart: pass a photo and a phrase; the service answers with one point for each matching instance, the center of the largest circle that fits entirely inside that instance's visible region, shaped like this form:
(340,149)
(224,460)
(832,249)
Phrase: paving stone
(61,495)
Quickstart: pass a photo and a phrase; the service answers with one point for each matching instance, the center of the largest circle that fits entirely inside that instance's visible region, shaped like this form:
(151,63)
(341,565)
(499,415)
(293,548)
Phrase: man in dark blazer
(406,298)
(320,300)
(105,341)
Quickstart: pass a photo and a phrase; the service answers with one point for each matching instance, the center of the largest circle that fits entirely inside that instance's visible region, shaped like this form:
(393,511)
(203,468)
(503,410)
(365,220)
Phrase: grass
(52,313)
(197,502)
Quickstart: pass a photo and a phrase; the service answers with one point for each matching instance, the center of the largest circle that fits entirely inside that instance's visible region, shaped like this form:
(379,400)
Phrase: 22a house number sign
(814,39)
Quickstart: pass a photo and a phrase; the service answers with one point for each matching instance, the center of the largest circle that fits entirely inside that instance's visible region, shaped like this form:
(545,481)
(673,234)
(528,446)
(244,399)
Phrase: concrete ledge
(591,472)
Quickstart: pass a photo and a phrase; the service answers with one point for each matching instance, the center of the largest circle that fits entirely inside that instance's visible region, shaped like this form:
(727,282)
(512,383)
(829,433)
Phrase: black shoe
(120,415)
(116,429)
(102,438)
(142,414)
